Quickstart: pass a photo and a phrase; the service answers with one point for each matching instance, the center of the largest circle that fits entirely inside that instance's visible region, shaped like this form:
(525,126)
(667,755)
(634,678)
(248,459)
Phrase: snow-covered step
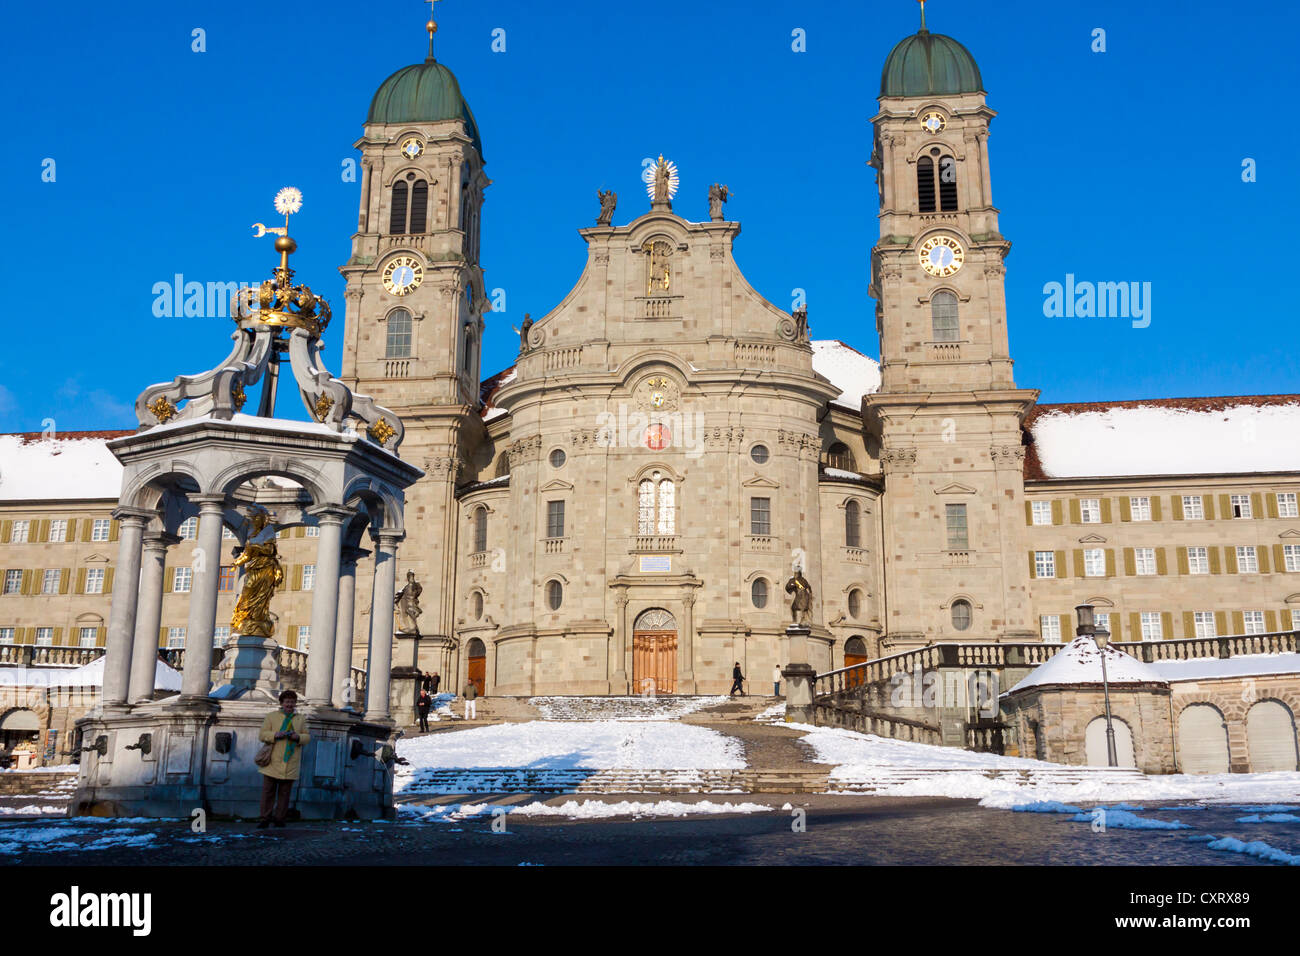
(44,782)
(621,708)
(885,777)
(524,780)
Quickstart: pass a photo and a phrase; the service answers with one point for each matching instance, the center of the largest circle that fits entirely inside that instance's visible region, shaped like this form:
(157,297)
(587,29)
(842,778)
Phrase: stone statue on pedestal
(608,200)
(262,575)
(717,196)
(801,606)
(407,603)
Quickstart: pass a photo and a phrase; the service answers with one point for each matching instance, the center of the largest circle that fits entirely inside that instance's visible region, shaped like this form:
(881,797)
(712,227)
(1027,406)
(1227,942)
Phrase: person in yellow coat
(286,732)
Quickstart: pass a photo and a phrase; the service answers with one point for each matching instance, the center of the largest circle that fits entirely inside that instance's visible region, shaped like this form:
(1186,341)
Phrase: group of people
(429,690)
(738,681)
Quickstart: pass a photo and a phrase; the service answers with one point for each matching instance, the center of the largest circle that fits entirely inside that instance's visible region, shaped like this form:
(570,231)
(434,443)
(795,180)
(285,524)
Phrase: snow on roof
(73,465)
(1209,668)
(88,675)
(488,389)
(840,473)
(1079,662)
(852,372)
(1193,436)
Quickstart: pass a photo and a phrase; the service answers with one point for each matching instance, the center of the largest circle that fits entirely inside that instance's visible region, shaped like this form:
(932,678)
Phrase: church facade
(621,509)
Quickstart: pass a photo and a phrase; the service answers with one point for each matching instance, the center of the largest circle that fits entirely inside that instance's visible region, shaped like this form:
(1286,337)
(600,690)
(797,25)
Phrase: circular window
(557,458)
(855,603)
(759,454)
(961,615)
(554,595)
(758,592)
(478,605)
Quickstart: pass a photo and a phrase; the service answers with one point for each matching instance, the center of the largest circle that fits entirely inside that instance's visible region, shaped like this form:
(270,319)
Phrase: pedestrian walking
(422,705)
(737,681)
(284,735)
(433,684)
(426,682)
(471,700)
(776,681)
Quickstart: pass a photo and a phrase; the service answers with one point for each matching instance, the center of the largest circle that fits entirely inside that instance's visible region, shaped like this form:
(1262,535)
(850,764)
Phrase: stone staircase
(47,784)
(526,780)
(883,778)
(622,708)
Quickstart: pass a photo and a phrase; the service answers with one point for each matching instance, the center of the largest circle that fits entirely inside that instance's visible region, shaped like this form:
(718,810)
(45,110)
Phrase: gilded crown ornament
(278,302)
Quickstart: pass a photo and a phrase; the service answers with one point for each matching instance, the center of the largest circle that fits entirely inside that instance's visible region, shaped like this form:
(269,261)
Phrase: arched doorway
(1202,740)
(855,652)
(476,661)
(1270,734)
(1094,743)
(654,653)
(17,727)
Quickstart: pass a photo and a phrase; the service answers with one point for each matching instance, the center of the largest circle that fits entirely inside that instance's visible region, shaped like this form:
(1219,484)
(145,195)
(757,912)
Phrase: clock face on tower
(402,275)
(412,147)
(933,122)
(941,256)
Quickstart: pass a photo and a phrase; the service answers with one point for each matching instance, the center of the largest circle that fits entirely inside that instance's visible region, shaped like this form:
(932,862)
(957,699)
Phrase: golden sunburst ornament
(288,201)
(665,172)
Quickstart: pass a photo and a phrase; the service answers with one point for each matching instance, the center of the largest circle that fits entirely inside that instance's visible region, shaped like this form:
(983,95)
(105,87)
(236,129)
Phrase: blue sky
(1117,166)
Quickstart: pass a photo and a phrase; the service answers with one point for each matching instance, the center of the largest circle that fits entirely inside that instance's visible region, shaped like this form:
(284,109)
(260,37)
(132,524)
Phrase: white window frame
(304,637)
(45,637)
(175,638)
(1198,560)
(1094,562)
(1139,508)
(220,634)
(313,531)
(1050,634)
(308,577)
(21,532)
(13,581)
(1291,557)
(1144,561)
(87,636)
(95,580)
(1152,627)
(58,530)
(189,529)
(226,533)
(1248,560)
(99,529)
(1204,625)
(1101,619)
(1193,508)
(1041,511)
(182,575)
(1240,506)
(1044,560)
(1252,622)
(6,635)
(1090,510)
(51,578)
(1287,505)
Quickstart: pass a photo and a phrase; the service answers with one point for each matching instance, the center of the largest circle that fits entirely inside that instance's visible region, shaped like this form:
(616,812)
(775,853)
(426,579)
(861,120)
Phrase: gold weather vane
(431,26)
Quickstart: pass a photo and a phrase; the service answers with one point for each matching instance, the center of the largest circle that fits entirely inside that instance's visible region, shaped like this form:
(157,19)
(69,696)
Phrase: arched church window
(852,525)
(943,317)
(925,183)
(839,456)
(399,334)
(656,506)
(758,592)
(961,615)
(397,209)
(480,529)
(468,354)
(855,603)
(947,184)
(478,605)
(554,595)
(419,206)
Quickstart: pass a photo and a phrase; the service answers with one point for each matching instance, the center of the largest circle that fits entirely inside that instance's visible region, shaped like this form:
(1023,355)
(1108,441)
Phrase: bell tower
(415,303)
(948,413)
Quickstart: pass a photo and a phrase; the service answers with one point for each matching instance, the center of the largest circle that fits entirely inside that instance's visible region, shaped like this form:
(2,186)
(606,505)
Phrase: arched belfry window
(419,206)
(397,209)
(656,505)
(480,529)
(943,317)
(936,182)
(399,334)
(839,456)
(852,525)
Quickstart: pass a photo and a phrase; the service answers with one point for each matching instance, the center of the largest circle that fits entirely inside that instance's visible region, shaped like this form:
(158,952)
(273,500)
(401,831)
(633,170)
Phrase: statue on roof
(608,200)
(717,196)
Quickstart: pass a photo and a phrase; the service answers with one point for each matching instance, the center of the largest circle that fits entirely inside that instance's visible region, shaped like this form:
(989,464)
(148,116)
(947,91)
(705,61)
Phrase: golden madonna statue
(262,575)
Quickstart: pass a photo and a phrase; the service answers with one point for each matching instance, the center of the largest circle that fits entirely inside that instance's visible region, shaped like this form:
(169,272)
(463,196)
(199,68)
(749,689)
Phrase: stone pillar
(325,604)
(344,625)
(148,616)
(121,620)
(686,647)
(798,676)
(380,658)
(618,679)
(197,674)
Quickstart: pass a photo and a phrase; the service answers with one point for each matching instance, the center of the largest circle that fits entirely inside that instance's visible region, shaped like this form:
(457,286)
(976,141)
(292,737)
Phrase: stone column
(686,656)
(197,674)
(380,659)
(325,604)
(618,679)
(148,617)
(344,624)
(121,620)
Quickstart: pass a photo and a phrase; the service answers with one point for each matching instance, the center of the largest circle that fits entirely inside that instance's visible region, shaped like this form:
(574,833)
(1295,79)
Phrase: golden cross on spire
(922,2)
(431,26)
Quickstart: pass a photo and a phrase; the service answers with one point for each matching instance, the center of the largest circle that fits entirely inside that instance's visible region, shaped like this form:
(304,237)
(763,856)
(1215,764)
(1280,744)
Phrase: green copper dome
(929,64)
(423,93)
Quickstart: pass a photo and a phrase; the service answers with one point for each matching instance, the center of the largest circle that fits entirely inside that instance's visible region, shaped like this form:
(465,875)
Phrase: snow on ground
(1254,848)
(773,715)
(564,745)
(81,834)
(32,809)
(621,708)
(575,810)
(858,754)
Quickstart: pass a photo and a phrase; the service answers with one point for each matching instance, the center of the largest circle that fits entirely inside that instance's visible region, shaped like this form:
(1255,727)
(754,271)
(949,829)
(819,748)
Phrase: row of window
(40,530)
(1100,562)
(1185,508)
(302,577)
(51,636)
(1158,625)
(57,581)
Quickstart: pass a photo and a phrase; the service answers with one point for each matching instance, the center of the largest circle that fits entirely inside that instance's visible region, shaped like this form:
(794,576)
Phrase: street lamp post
(1101,637)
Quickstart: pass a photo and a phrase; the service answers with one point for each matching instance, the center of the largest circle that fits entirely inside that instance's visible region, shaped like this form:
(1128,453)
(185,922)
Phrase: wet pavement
(837,829)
